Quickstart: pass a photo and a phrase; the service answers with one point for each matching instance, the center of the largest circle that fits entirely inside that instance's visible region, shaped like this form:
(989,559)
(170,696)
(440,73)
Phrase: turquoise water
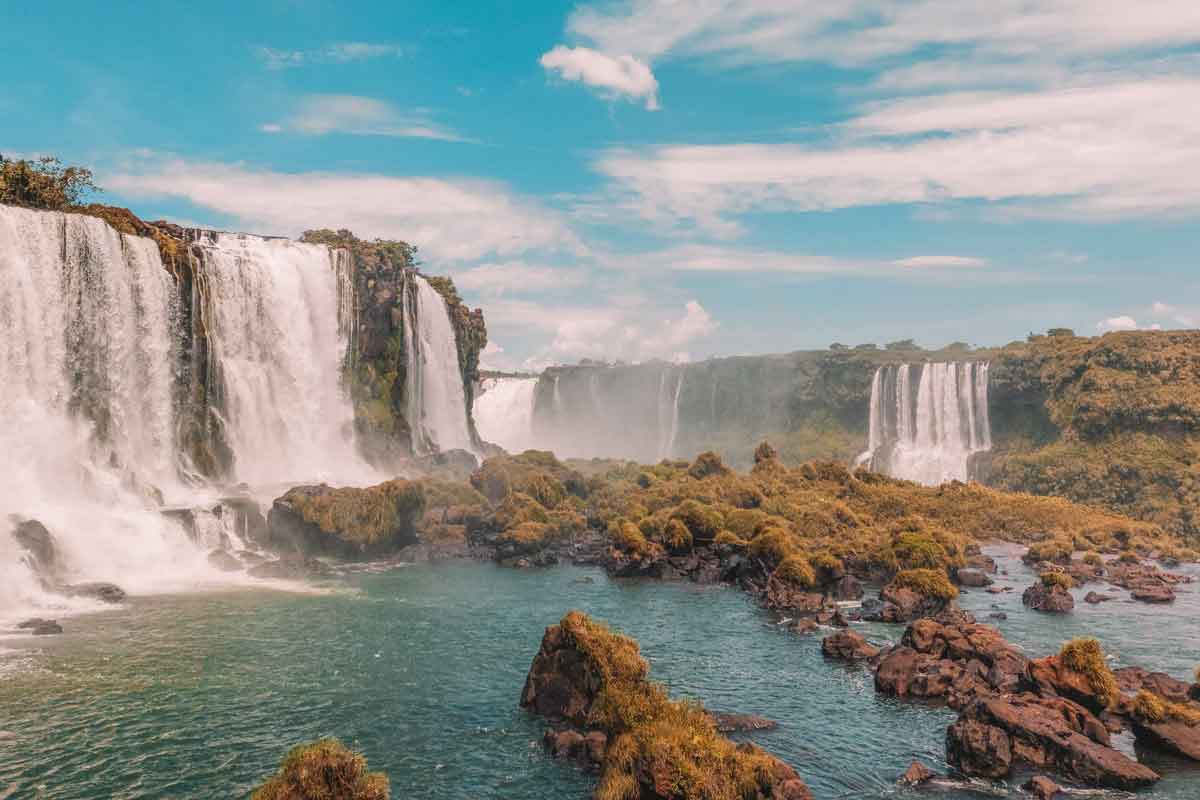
(421,667)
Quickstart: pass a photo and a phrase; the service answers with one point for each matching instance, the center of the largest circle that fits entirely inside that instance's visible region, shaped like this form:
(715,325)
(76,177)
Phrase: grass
(927,583)
(1086,657)
(1153,709)
(324,770)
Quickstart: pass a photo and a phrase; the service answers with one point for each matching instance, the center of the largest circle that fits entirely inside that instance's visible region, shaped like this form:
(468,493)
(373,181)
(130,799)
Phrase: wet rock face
(1172,736)
(848,646)
(104,592)
(562,684)
(1042,788)
(41,627)
(40,547)
(916,774)
(1049,599)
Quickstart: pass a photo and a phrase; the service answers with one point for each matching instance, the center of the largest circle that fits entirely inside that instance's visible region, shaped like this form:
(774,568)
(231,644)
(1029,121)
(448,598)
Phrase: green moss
(1086,657)
(918,551)
(677,537)
(1060,579)
(772,546)
(702,520)
(795,571)
(324,770)
(367,517)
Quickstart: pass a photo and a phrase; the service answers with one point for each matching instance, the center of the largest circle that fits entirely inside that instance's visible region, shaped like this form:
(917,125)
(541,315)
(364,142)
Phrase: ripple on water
(199,696)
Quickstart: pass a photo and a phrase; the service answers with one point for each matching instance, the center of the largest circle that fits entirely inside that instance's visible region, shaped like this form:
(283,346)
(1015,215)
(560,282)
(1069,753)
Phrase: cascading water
(504,412)
(436,402)
(88,321)
(928,436)
(279,334)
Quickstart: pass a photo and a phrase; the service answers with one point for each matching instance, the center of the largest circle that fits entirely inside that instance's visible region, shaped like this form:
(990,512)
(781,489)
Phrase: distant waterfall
(436,401)
(668,413)
(88,331)
(504,412)
(927,420)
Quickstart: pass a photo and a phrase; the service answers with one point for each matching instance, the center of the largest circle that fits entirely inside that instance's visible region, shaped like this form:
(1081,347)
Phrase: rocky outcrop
(593,685)
(40,548)
(40,627)
(1052,599)
(346,522)
(848,646)
(993,735)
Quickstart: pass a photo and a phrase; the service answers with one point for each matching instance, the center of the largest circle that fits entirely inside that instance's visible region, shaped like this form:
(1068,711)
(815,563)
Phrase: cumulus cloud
(615,75)
(1123,323)
(455,220)
(516,277)
(321,114)
(336,53)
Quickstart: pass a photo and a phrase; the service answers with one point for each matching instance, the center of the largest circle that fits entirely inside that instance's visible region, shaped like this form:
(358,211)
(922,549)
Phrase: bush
(1129,557)
(627,537)
(1086,657)
(927,583)
(728,538)
(706,464)
(1051,550)
(1149,707)
(764,452)
(918,551)
(1052,579)
(703,521)
(772,546)
(796,571)
(43,183)
(677,537)
(1093,558)
(324,770)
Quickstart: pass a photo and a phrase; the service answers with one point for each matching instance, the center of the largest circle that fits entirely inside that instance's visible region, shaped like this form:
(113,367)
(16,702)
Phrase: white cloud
(516,277)
(454,220)
(1124,323)
(1179,316)
(859,31)
(271,127)
(616,75)
(940,262)
(1109,151)
(321,114)
(337,53)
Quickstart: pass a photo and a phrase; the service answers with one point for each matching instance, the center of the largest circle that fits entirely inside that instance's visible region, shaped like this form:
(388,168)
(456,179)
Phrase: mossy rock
(324,770)
(346,522)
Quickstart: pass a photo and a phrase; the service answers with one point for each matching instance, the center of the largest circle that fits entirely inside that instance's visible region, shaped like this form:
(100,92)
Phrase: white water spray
(504,412)
(436,400)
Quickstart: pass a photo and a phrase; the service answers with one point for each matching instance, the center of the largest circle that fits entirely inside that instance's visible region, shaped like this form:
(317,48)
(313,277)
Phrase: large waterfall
(88,328)
(928,420)
(436,402)
(278,344)
(504,412)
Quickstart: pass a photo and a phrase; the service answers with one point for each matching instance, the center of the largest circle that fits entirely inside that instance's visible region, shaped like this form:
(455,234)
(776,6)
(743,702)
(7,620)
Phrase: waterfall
(436,398)
(278,315)
(88,332)
(504,412)
(931,436)
(668,415)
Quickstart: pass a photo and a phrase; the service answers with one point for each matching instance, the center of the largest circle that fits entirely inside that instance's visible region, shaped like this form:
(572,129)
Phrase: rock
(974,577)
(998,615)
(742,723)
(1050,599)
(1042,788)
(784,597)
(805,625)
(1050,677)
(1172,736)
(848,588)
(982,563)
(41,627)
(846,645)
(40,545)
(291,568)
(346,523)
(993,734)
(1132,680)
(1095,598)
(995,590)
(222,560)
(104,592)
(916,774)
(1153,593)
(587,750)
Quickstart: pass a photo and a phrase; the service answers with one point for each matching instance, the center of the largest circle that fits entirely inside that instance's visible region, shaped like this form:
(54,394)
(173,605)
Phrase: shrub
(772,546)
(370,517)
(677,536)
(1129,557)
(828,567)
(918,551)
(627,537)
(1086,657)
(1153,709)
(528,537)
(727,538)
(706,464)
(796,571)
(764,452)
(703,521)
(324,770)
(1052,579)
(1093,558)
(927,583)
(1052,550)
(43,183)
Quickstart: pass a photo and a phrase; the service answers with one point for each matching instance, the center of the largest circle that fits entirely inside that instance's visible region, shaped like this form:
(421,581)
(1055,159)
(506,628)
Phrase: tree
(1066,332)
(43,183)
(838,347)
(867,346)
(903,344)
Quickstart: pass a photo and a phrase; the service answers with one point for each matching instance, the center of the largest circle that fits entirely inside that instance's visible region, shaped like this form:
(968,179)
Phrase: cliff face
(1112,421)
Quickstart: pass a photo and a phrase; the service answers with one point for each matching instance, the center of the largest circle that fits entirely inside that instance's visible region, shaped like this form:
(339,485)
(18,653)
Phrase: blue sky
(658,178)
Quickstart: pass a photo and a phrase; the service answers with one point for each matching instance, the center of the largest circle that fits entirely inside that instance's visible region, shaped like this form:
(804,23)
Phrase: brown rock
(1153,593)
(1172,736)
(1042,788)
(1095,598)
(846,645)
(1050,599)
(742,723)
(917,773)
(974,577)
(1132,680)
(978,749)
(562,684)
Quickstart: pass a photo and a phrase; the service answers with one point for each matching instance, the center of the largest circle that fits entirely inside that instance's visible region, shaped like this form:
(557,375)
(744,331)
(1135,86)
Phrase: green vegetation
(796,571)
(1086,657)
(324,770)
(371,517)
(1149,707)
(1060,579)
(927,583)
(43,183)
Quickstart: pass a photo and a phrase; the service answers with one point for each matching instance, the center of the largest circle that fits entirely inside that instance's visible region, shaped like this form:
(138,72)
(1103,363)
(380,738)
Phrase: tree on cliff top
(43,183)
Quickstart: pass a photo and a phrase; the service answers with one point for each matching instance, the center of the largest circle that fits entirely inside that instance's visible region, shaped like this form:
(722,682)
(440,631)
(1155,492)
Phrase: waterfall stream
(931,434)
(436,399)
(504,412)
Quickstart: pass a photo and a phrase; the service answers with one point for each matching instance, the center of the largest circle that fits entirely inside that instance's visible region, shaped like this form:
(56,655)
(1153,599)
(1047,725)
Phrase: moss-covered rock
(324,770)
(346,522)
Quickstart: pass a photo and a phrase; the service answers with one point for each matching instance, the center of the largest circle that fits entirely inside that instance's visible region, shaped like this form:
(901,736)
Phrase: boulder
(1042,788)
(994,734)
(1153,593)
(41,627)
(586,750)
(916,774)
(848,588)
(1050,599)
(742,723)
(104,592)
(846,645)
(40,547)
(975,578)
(346,523)
(1171,736)
(1132,680)
(1095,598)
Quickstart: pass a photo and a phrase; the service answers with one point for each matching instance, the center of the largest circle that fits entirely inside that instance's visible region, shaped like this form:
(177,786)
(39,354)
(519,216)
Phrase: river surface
(421,667)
